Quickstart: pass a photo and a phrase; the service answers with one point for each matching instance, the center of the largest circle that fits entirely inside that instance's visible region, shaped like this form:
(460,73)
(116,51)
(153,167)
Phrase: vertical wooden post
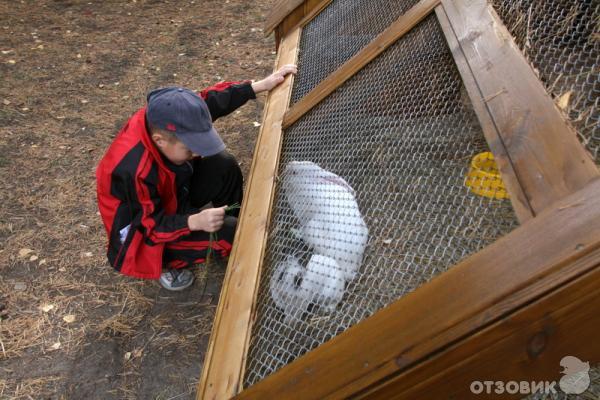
(223,370)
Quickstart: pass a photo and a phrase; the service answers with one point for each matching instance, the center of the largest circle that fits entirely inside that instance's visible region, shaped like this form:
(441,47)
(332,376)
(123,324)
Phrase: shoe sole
(177,289)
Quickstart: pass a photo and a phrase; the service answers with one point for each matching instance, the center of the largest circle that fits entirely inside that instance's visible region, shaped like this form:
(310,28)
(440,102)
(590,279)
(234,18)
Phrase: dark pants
(217,180)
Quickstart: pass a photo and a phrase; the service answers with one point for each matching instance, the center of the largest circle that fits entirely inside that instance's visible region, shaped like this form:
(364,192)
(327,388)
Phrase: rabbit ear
(338,180)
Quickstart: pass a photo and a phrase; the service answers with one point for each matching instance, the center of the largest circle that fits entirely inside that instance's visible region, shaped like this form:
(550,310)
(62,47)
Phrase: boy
(165,182)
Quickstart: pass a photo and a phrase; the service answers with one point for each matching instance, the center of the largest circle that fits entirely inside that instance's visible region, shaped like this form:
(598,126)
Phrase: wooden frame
(287,15)
(521,122)
(521,301)
(481,293)
(223,370)
(388,37)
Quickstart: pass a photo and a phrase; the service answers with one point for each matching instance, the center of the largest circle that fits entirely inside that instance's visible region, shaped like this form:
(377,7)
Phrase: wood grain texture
(394,32)
(560,244)
(280,11)
(224,364)
(548,161)
(301,16)
(518,199)
(524,346)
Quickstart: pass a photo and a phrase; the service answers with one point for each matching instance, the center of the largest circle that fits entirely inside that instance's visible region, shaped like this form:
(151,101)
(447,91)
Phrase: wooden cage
(509,312)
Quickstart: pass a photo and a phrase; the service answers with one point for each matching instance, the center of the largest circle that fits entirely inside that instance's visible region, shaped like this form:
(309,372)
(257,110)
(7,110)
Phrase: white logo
(576,379)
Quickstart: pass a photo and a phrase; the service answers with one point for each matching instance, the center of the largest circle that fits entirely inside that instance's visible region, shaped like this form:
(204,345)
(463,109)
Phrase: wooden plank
(561,243)
(224,364)
(292,21)
(518,199)
(279,12)
(301,16)
(526,346)
(395,31)
(548,160)
(312,10)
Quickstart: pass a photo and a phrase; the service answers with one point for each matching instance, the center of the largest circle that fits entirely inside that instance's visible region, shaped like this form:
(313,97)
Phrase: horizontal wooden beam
(525,346)
(394,32)
(536,258)
(224,364)
(547,159)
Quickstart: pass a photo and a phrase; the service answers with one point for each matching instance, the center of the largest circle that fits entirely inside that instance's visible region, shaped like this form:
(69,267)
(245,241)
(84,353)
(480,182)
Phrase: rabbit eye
(298,280)
(280,277)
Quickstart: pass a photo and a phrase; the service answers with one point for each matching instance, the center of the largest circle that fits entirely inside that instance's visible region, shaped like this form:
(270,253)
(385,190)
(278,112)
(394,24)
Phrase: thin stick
(3,350)
(213,237)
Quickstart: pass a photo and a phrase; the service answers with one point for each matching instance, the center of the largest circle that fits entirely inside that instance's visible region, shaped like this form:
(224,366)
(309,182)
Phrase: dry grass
(72,73)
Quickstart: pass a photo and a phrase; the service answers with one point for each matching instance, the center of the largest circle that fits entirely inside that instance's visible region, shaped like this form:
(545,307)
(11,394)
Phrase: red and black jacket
(135,188)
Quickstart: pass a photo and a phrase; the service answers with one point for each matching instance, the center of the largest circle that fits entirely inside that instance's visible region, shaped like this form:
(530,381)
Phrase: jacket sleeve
(159,227)
(225,97)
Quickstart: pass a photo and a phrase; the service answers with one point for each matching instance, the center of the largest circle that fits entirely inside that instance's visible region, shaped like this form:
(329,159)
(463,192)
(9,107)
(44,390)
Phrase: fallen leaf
(46,307)
(33,258)
(62,269)
(7,51)
(42,261)
(84,101)
(563,101)
(12,62)
(127,356)
(55,346)
(20,286)
(387,241)
(69,318)
(6,102)
(137,353)
(24,252)
(88,254)
(256,124)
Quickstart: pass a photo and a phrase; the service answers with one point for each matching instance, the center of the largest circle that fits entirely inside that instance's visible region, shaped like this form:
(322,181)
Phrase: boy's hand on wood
(274,79)
(209,220)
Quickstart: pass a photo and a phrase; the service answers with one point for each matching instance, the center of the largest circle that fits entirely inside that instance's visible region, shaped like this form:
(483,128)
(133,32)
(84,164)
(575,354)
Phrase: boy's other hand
(274,79)
(209,220)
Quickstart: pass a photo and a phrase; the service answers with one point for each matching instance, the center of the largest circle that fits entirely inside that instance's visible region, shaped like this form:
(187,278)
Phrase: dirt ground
(72,73)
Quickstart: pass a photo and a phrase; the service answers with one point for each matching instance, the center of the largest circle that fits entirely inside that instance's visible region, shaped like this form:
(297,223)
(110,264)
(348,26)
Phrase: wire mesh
(561,39)
(383,185)
(338,33)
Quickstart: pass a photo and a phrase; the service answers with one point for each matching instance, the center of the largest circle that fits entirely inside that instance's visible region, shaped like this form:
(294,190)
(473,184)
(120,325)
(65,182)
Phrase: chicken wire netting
(383,185)
(561,39)
(337,34)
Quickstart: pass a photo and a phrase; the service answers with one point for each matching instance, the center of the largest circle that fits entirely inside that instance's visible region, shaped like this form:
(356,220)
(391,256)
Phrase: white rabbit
(286,290)
(330,221)
(324,280)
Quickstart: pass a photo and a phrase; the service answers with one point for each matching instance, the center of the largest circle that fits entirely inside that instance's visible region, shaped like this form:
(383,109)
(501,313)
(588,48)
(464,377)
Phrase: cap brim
(205,144)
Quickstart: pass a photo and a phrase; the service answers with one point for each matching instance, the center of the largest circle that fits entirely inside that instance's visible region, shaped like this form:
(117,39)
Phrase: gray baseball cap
(185,114)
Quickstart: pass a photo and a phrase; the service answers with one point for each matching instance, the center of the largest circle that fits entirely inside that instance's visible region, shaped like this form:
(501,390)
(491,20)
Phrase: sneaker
(176,279)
